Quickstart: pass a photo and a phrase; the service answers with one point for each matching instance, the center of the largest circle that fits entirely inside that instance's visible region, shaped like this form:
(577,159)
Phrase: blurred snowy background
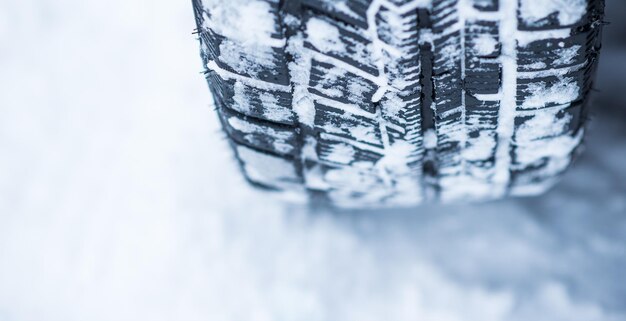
(119,199)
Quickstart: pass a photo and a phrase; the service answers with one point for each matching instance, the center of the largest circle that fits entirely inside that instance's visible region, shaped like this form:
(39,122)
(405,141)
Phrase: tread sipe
(395,102)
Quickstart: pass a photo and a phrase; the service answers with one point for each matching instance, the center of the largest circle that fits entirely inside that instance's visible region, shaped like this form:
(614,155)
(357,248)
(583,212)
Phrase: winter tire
(395,102)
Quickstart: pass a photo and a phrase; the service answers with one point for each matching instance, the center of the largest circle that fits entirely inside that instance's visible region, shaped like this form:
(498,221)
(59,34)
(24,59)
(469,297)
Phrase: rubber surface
(366,103)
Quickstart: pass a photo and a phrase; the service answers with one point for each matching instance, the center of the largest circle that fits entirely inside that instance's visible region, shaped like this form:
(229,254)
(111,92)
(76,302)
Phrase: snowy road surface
(119,200)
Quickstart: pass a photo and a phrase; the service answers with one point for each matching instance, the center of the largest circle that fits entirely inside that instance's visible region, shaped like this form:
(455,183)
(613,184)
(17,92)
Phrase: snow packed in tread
(394,102)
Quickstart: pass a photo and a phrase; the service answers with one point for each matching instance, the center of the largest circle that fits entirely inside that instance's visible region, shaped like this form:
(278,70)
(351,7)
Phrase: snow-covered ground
(119,200)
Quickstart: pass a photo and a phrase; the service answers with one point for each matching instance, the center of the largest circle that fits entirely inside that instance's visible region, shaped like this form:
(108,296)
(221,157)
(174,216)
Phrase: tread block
(482,44)
(547,123)
(482,39)
(481,114)
(551,15)
(282,140)
(443,15)
(336,83)
(353,181)
(542,92)
(343,153)
(541,161)
(268,170)
(481,121)
(394,108)
(483,79)
(338,122)
(353,12)
(552,53)
(486,5)
(265,63)
(397,29)
(257,53)
(339,41)
(266,104)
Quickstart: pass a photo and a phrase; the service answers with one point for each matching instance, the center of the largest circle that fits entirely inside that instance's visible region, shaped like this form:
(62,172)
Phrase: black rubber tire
(395,102)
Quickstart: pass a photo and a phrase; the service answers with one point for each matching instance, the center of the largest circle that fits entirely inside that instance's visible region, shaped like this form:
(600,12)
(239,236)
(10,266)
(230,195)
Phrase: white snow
(226,18)
(555,150)
(545,138)
(299,71)
(340,6)
(537,65)
(120,200)
(326,85)
(509,36)
(212,65)
(266,168)
(541,94)
(567,55)
(377,51)
(244,59)
(568,11)
(345,66)
(357,88)
(394,160)
(250,130)
(363,133)
(360,145)
(240,98)
(272,109)
(341,153)
(323,35)
(430,139)
(524,38)
(558,72)
(248,50)
(349,109)
(481,147)
(543,124)
(485,44)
